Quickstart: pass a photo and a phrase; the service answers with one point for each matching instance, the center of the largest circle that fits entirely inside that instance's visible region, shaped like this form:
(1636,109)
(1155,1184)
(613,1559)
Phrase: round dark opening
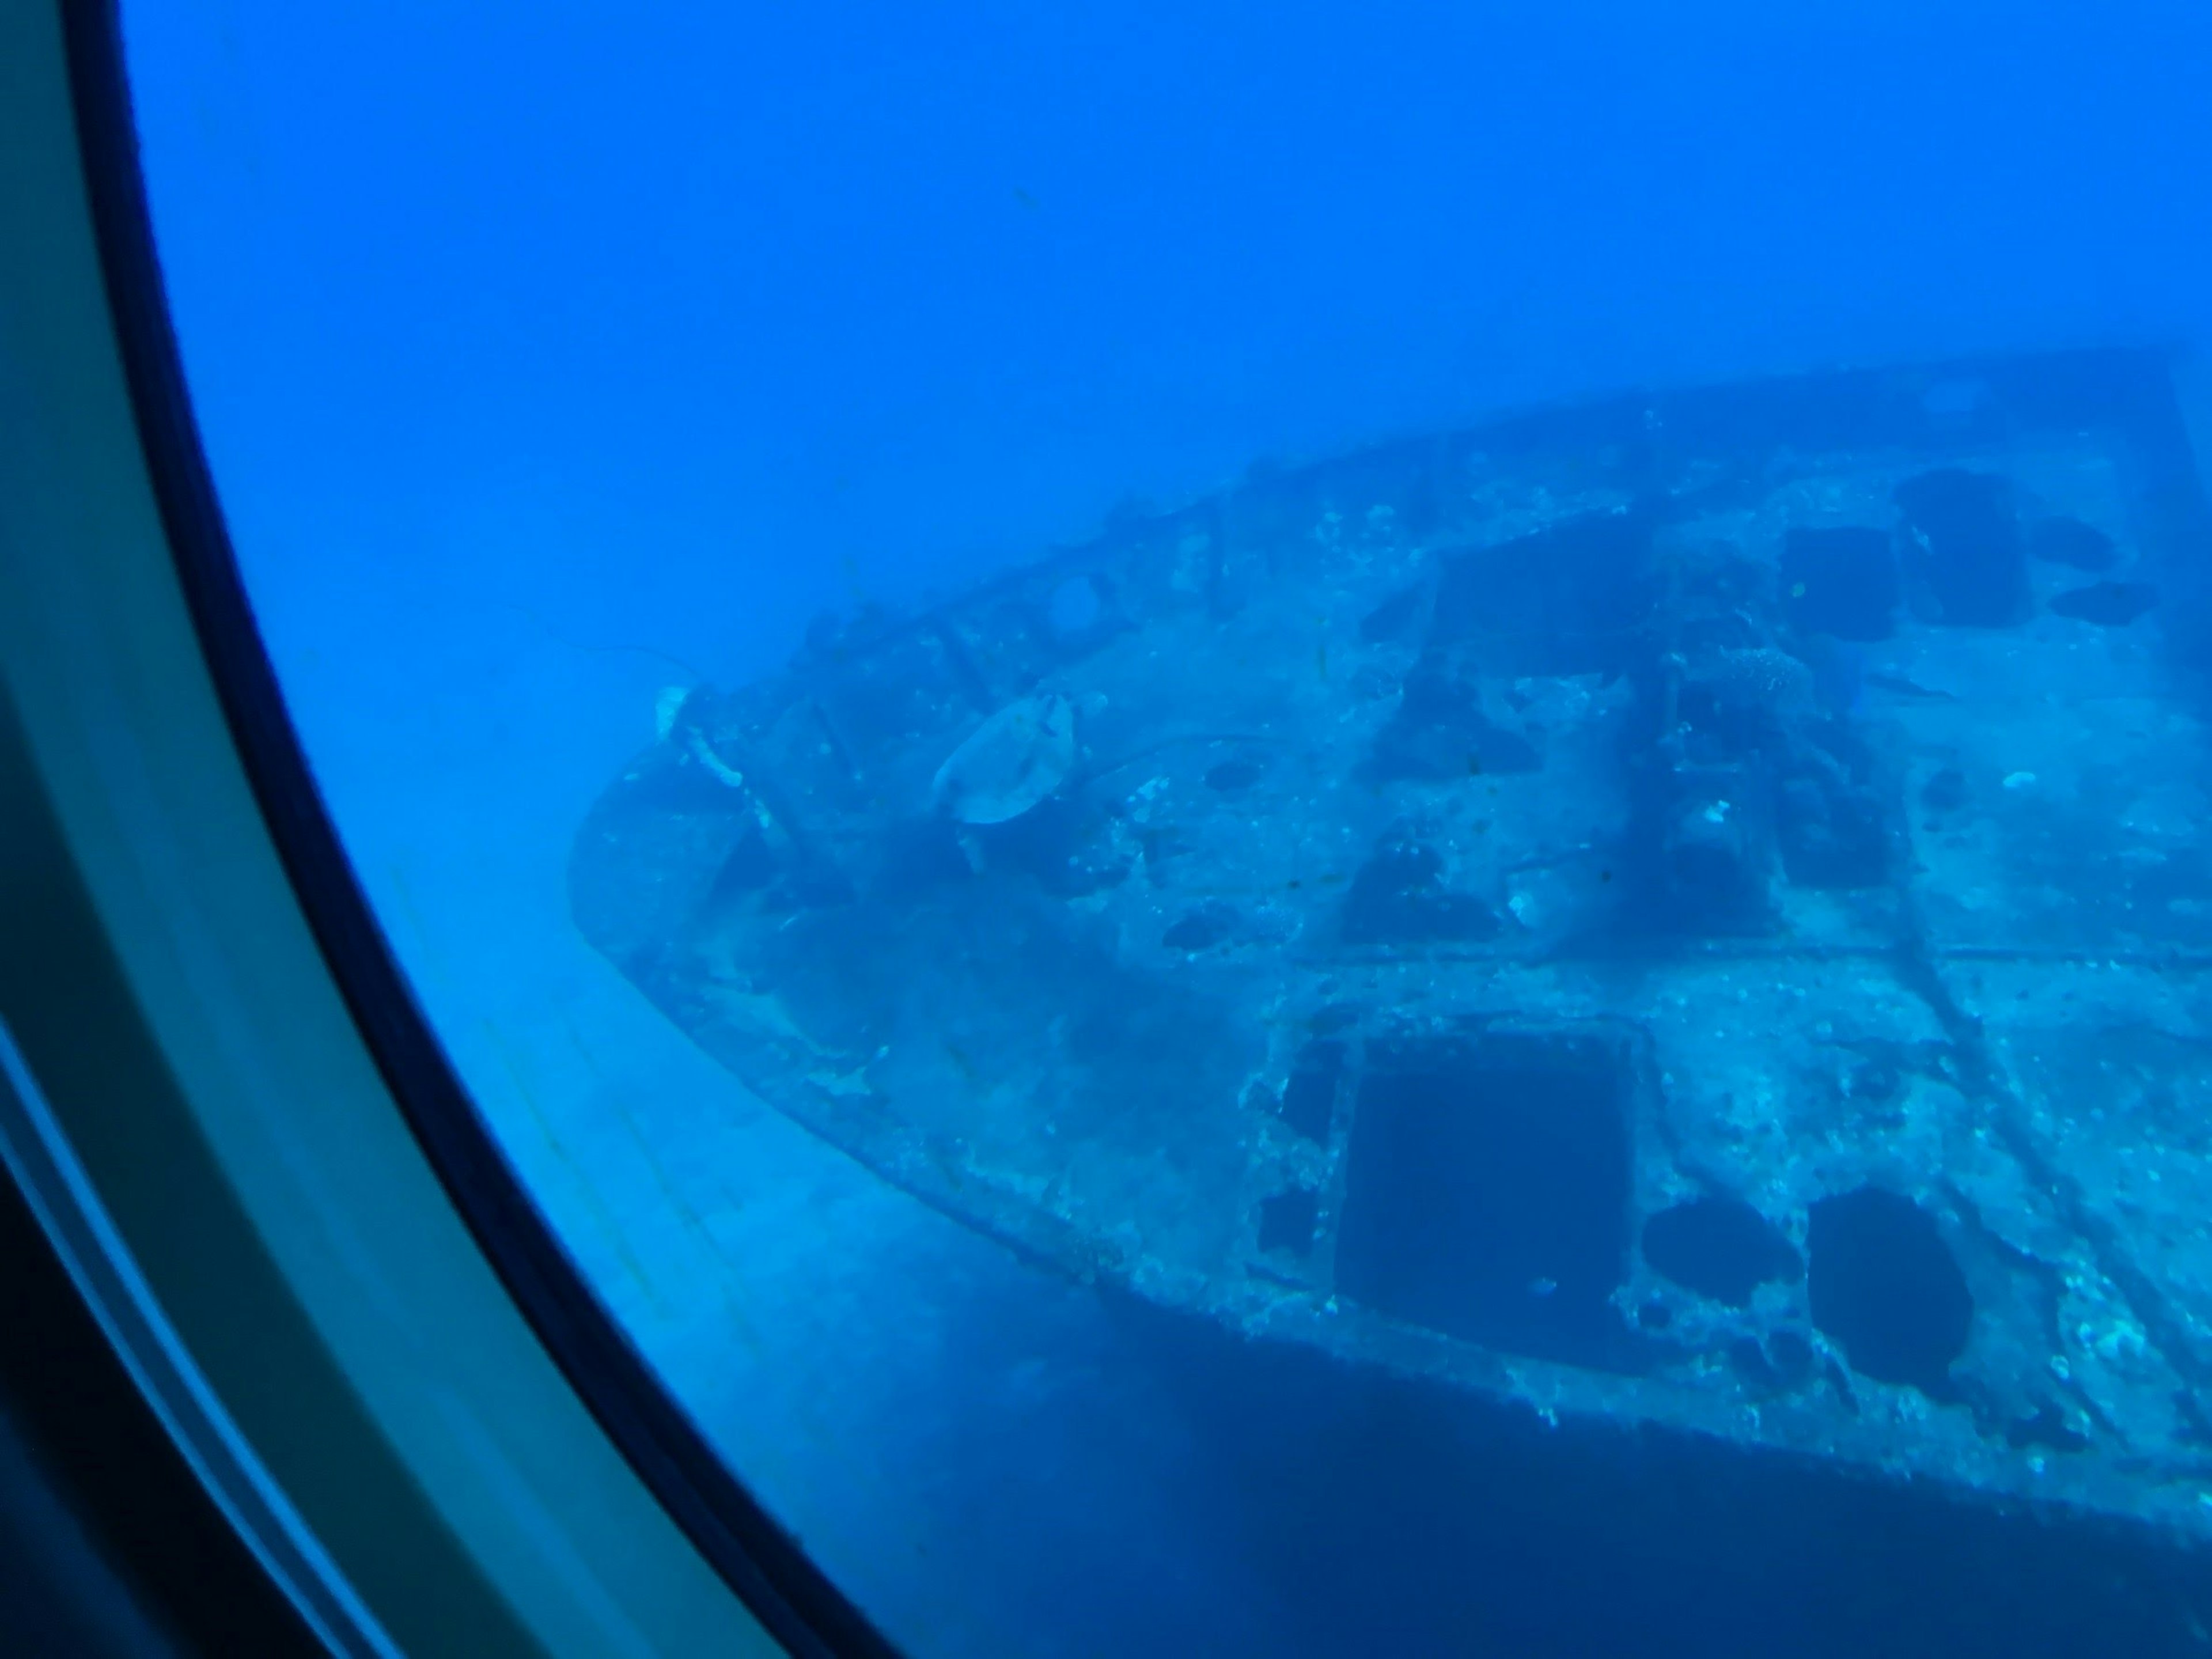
(1886,1289)
(1721,1248)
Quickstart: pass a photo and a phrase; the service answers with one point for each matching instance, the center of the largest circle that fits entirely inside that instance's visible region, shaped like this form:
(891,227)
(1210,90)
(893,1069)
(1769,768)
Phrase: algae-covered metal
(1693,910)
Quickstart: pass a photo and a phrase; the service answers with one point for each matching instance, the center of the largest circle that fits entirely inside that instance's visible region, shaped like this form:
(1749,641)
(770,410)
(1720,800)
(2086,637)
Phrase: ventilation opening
(1720,1248)
(1286,1222)
(1886,1289)
(1486,1193)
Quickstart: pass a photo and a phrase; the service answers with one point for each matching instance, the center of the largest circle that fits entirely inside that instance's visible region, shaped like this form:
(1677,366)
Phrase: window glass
(1283,829)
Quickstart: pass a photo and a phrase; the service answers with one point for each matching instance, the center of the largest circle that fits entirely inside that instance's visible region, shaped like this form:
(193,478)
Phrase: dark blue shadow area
(1384,1517)
(1078,1509)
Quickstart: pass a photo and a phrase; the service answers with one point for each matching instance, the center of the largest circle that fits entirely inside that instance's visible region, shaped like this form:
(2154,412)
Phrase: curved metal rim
(36,1152)
(769,1570)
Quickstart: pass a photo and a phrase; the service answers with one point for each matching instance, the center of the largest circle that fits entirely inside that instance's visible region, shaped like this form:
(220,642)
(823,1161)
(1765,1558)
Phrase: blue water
(549,356)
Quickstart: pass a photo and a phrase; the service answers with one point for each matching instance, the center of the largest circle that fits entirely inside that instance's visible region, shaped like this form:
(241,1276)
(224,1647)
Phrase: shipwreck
(1693,909)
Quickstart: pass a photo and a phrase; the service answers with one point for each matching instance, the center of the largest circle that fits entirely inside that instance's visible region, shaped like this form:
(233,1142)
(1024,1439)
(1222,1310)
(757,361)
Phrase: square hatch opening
(1487,1190)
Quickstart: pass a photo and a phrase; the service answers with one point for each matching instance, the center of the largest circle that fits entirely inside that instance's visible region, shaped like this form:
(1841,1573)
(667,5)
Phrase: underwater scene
(1386,833)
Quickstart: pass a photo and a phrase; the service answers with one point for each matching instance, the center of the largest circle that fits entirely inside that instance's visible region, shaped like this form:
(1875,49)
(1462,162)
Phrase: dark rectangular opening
(1310,1097)
(1486,1192)
(1568,600)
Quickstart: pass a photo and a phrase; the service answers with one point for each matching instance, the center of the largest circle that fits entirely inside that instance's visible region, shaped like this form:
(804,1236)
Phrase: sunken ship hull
(1693,911)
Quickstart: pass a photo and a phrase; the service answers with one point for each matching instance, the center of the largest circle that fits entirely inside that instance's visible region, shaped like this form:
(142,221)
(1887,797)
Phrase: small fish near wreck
(1707,954)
